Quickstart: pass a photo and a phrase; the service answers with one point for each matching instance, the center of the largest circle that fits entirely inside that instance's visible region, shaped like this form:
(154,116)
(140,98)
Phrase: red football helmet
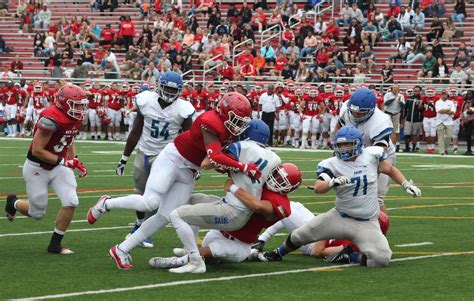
(87,85)
(105,120)
(37,88)
(299,91)
(284,178)
(384,222)
(339,91)
(306,88)
(258,87)
(291,85)
(101,112)
(409,91)
(453,91)
(125,86)
(352,89)
(72,100)
(430,91)
(235,111)
(328,88)
(20,116)
(313,92)
(152,87)
(136,88)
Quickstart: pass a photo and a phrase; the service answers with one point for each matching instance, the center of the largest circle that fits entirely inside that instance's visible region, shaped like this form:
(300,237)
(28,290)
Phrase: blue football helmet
(144,87)
(345,135)
(170,86)
(361,105)
(257,131)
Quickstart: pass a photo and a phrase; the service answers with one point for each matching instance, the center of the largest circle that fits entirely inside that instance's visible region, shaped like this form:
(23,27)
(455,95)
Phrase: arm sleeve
(47,125)
(323,173)
(271,231)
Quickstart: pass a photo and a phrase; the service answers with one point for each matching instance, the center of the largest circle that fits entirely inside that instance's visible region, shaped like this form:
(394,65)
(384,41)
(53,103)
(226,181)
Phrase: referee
(268,105)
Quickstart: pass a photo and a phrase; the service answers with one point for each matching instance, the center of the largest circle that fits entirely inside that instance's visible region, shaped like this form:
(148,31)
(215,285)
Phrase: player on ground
(172,176)
(230,213)
(10,101)
(361,112)
(235,246)
(160,117)
(429,117)
(50,161)
(353,174)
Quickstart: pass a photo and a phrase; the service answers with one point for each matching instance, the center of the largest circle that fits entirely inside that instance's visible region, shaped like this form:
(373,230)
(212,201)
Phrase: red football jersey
(9,95)
(130,97)
(95,99)
(429,110)
(312,106)
(190,143)
(39,100)
(328,100)
(113,99)
(249,233)
(212,99)
(254,98)
(336,105)
(62,138)
(199,99)
(186,95)
(458,102)
(52,96)
(340,242)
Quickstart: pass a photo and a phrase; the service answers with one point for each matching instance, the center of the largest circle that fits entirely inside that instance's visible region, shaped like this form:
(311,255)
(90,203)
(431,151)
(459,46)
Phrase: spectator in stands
(108,36)
(100,53)
(354,30)
(437,49)
(403,48)
(48,44)
(417,53)
(470,73)
(287,73)
(233,14)
(248,32)
(366,59)
(437,8)
(222,29)
(275,19)
(310,44)
(303,74)
(245,13)
(247,70)
(293,63)
(38,44)
(462,48)
(146,37)
(336,56)
(440,71)
(394,8)
(394,29)
(394,102)
(214,20)
(369,33)
(359,77)
(258,63)
(205,7)
(127,32)
(287,36)
(150,71)
(145,10)
(21,9)
(357,14)
(345,15)
(405,19)
(379,18)
(16,65)
(419,20)
(436,29)
(320,26)
(7,73)
(268,53)
(332,31)
(246,56)
(467,120)
(135,72)
(95,5)
(322,58)
(449,30)
(87,57)
(458,77)
(259,20)
(352,51)
(386,74)
(43,18)
(3,45)
(427,68)
(292,49)
(462,60)
(226,71)
(459,13)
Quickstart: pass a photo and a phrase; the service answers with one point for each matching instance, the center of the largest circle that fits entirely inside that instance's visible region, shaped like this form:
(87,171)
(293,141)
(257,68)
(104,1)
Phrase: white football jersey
(250,152)
(299,216)
(374,129)
(358,199)
(160,126)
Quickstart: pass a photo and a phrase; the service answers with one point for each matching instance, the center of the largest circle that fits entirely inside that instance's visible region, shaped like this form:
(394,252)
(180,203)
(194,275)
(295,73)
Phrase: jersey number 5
(357,185)
(155,130)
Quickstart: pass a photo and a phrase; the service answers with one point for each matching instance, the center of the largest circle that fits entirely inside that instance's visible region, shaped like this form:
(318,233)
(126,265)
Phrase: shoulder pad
(185,108)
(47,125)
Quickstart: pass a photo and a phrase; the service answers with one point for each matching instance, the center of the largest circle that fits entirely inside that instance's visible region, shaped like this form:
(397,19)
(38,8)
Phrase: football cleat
(61,250)
(340,257)
(164,262)
(147,243)
(10,210)
(269,256)
(196,266)
(258,245)
(180,252)
(96,211)
(122,259)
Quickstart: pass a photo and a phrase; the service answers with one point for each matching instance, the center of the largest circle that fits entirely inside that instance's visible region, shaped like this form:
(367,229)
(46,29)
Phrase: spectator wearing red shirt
(259,20)
(246,71)
(332,30)
(16,65)
(246,56)
(322,57)
(226,71)
(280,63)
(108,36)
(127,32)
(287,36)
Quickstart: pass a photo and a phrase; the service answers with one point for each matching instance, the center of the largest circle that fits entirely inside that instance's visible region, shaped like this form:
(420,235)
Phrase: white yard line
(72,230)
(217,279)
(415,244)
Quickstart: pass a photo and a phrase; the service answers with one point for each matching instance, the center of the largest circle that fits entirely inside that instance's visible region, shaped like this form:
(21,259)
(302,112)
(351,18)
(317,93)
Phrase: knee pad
(37,215)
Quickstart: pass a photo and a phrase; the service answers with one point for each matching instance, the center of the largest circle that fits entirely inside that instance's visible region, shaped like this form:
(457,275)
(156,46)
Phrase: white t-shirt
(442,118)
(269,103)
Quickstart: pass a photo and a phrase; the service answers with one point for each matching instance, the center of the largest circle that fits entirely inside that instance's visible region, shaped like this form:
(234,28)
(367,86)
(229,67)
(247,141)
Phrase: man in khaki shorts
(394,102)
(353,174)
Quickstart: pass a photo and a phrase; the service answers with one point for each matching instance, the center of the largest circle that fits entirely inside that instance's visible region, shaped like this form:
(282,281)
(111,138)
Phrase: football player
(199,100)
(353,174)
(213,97)
(86,86)
(130,107)
(361,112)
(96,101)
(280,128)
(254,97)
(230,213)
(429,117)
(313,109)
(160,117)
(114,111)
(172,176)
(327,101)
(37,102)
(235,246)
(296,103)
(51,160)
(10,101)
(458,103)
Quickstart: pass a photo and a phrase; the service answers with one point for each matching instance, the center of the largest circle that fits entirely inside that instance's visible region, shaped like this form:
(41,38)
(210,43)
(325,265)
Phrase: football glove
(269,256)
(339,181)
(411,189)
(251,170)
(120,170)
(74,163)
(258,245)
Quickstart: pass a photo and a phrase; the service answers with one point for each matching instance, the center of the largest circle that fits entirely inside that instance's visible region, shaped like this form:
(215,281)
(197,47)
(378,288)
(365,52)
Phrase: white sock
(59,231)
(132,201)
(185,234)
(147,229)
(286,139)
(313,141)
(183,260)
(117,135)
(14,129)
(139,221)
(418,144)
(10,130)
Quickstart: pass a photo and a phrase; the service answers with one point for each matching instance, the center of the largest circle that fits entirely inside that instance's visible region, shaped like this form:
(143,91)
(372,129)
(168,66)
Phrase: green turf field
(444,217)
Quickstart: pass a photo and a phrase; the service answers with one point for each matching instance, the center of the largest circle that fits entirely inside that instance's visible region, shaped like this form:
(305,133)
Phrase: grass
(443,216)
